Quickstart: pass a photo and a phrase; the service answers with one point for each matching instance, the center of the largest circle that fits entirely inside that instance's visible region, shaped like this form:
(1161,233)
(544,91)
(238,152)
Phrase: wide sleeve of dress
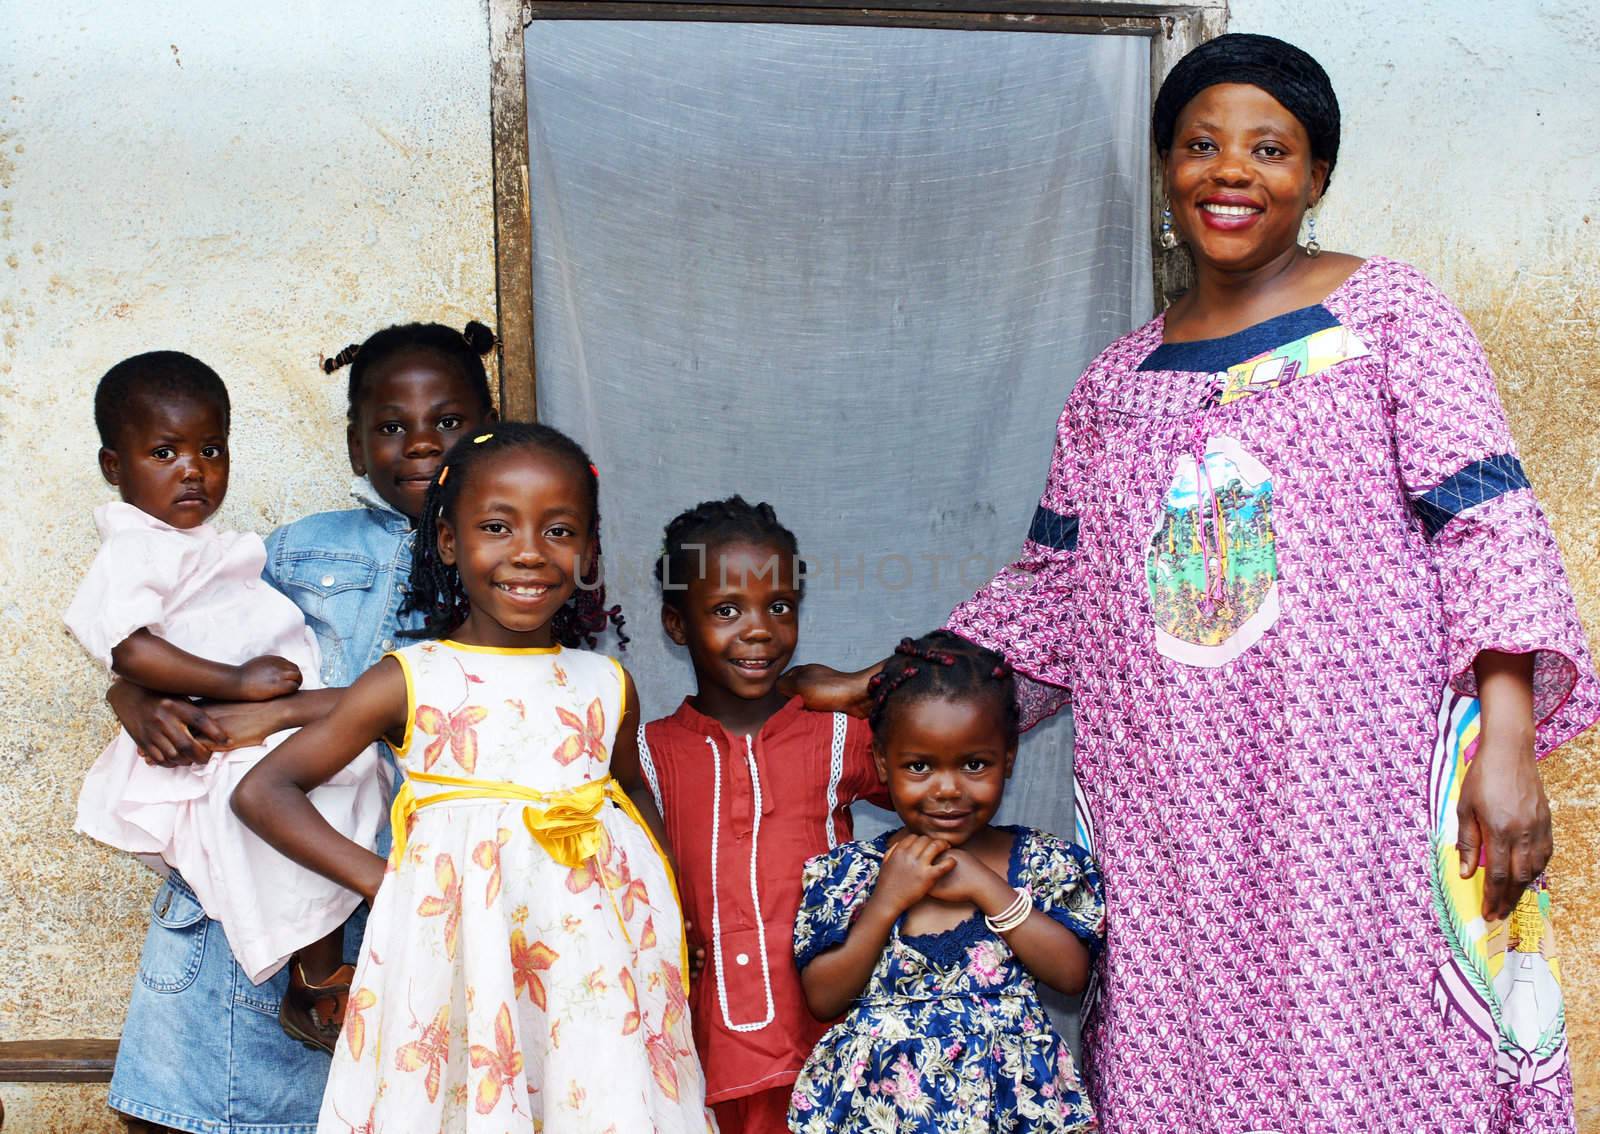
(833,887)
(1019,611)
(1498,565)
(1065,885)
(127,588)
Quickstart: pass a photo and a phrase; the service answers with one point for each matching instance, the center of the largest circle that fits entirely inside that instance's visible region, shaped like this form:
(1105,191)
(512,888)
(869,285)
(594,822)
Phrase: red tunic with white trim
(743,814)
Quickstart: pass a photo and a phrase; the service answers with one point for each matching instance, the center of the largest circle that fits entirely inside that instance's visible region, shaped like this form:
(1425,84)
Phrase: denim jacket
(347,571)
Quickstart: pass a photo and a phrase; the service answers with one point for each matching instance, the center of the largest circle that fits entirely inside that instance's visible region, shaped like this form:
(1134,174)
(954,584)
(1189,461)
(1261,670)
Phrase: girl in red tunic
(751,784)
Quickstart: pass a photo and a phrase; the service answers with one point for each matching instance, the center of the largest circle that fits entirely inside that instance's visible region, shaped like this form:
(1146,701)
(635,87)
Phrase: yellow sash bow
(565,823)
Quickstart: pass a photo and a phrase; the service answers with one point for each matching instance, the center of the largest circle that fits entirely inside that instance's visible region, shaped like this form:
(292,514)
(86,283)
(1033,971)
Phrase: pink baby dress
(201,590)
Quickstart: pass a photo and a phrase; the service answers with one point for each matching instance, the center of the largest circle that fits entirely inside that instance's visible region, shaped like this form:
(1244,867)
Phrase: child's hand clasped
(263,678)
(912,868)
(968,879)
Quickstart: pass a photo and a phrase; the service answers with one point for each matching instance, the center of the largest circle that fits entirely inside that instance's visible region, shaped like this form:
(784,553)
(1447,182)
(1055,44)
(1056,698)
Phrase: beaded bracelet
(1013,915)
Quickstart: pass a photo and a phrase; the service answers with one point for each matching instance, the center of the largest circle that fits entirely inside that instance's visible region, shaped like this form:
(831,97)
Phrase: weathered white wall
(1471,141)
(1472,149)
(254,184)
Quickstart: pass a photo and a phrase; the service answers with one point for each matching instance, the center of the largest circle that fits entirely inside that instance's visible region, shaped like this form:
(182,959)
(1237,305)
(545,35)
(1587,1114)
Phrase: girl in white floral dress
(523,967)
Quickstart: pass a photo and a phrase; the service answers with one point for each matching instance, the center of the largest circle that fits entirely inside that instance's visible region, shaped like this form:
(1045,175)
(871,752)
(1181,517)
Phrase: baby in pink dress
(177,606)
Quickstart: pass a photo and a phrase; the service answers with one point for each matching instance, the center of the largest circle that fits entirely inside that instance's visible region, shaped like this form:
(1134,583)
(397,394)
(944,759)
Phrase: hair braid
(887,681)
(585,616)
(712,524)
(942,664)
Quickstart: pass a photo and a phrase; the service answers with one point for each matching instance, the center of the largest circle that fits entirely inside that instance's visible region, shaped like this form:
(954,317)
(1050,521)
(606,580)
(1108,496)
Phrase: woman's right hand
(910,869)
(168,730)
(263,678)
(826,690)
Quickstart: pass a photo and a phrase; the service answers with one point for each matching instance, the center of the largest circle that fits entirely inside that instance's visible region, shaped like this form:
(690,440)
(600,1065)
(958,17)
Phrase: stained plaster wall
(261,185)
(1472,149)
(255,184)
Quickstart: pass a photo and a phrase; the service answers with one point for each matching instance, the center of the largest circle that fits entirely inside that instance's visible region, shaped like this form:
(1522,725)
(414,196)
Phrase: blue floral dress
(948,1037)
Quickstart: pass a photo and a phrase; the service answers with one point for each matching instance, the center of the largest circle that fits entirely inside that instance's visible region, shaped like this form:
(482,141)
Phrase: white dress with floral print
(499,990)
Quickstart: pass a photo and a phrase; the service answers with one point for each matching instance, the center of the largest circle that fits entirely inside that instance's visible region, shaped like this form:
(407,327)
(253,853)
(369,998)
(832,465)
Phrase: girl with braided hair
(526,921)
(751,784)
(1317,636)
(931,938)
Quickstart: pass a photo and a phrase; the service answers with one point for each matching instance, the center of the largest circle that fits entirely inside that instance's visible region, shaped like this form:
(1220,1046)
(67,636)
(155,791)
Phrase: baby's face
(171,460)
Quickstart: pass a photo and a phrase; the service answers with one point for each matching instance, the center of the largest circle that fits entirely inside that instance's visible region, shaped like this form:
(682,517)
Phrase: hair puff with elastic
(461,350)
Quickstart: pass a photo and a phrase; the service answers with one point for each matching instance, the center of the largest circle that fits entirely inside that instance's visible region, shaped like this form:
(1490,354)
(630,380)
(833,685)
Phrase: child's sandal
(314,1013)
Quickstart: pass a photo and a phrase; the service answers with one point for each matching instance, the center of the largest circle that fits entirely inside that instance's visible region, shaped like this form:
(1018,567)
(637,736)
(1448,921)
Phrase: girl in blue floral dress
(933,936)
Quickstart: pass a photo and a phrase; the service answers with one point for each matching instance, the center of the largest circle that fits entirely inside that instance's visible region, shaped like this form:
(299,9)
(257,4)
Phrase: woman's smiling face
(1240,176)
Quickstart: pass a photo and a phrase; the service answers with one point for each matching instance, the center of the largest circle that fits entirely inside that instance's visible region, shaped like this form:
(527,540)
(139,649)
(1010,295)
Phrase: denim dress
(201,1047)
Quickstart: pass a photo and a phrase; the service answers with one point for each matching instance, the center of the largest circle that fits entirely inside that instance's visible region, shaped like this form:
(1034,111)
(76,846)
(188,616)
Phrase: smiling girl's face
(946,761)
(739,618)
(1240,177)
(520,534)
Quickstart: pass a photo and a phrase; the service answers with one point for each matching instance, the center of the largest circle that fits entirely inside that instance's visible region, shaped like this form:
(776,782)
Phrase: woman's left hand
(1503,815)
(1505,820)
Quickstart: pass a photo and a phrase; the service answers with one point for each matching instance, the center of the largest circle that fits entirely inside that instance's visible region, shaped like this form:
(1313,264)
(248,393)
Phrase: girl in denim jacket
(414,389)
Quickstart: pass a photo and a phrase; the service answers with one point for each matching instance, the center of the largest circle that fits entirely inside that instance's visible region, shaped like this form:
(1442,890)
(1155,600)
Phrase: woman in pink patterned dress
(1317,634)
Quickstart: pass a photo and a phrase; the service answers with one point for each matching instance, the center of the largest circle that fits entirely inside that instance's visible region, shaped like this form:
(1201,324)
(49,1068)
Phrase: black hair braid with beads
(942,664)
(711,524)
(436,589)
(463,349)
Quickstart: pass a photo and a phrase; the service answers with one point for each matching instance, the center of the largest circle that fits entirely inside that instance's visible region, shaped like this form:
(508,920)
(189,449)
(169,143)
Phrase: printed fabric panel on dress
(1503,978)
(1211,565)
(1302,358)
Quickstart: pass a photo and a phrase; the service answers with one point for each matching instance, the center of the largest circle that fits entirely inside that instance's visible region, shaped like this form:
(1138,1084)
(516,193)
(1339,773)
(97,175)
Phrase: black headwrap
(1281,69)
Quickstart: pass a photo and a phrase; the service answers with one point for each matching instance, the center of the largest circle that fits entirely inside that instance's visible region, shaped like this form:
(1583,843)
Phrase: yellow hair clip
(443,473)
(481,438)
